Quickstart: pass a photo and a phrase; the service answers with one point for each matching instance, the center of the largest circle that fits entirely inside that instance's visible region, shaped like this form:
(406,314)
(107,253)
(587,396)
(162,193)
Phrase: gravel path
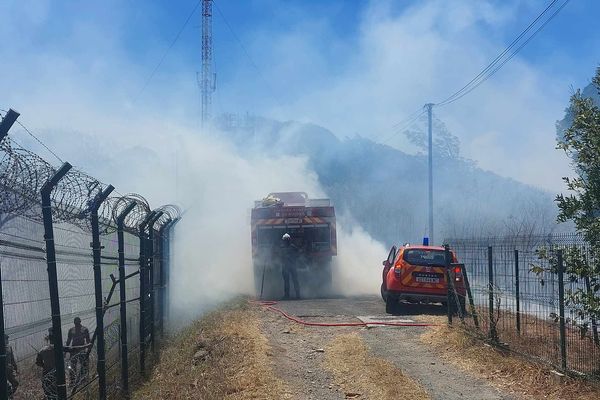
(441,380)
(298,360)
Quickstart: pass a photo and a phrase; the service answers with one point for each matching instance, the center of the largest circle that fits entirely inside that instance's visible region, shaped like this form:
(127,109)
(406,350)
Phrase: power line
(39,141)
(168,50)
(491,65)
(500,61)
(401,127)
(45,147)
(498,67)
(489,70)
(418,112)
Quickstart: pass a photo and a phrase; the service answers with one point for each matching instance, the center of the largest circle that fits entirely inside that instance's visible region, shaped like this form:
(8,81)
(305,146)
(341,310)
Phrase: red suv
(417,274)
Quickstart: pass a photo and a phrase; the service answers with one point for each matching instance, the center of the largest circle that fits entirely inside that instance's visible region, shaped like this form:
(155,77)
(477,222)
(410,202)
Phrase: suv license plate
(427,279)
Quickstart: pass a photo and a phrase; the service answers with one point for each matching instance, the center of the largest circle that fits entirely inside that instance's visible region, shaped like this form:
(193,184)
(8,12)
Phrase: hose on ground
(270,305)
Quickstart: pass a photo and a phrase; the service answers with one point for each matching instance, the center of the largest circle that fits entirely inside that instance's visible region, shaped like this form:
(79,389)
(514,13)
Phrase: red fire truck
(311,225)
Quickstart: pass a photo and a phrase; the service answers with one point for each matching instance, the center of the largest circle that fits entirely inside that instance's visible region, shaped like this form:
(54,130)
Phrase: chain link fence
(83,279)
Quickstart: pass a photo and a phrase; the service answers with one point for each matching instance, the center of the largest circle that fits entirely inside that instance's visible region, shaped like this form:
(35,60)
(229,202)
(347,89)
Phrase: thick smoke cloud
(78,86)
(216,184)
(85,74)
(218,188)
(404,57)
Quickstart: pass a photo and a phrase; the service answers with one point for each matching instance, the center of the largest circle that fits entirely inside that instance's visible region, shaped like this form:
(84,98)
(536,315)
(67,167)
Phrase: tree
(581,142)
(445,144)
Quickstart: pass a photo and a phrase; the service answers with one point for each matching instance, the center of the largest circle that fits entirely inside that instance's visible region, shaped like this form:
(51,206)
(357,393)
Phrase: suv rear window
(425,257)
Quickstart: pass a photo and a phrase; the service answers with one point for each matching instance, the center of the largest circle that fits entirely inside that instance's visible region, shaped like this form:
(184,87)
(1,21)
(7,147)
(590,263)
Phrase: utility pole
(429,107)
(207,81)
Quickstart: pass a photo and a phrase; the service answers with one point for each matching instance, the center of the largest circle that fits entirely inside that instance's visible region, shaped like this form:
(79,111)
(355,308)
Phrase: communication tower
(207,80)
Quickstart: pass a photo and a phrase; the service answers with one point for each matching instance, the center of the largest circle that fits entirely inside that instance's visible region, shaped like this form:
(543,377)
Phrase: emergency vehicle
(417,274)
(312,227)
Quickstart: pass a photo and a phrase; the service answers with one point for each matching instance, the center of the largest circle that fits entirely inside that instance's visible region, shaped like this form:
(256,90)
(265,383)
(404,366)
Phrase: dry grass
(360,373)
(539,337)
(30,382)
(510,373)
(235,366)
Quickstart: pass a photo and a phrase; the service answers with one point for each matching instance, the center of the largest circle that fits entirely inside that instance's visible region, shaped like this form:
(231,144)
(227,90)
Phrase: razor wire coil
(24,173)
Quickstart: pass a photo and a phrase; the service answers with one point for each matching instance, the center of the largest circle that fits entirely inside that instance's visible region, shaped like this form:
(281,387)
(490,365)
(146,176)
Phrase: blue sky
(355,67)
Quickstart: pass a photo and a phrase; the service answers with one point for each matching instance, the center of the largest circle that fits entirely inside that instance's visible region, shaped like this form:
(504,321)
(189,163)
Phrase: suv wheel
(383,292)
(392,305)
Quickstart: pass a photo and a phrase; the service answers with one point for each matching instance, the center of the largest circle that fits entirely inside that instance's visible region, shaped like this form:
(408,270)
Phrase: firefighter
(289,258)
(78,340)
(11,366)
(45,359)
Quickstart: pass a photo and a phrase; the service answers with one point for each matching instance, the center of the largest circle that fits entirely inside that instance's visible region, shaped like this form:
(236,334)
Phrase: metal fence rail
(71,249)
(521,297)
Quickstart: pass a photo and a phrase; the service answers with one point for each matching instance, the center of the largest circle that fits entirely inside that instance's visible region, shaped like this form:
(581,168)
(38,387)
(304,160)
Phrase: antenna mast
(207,82)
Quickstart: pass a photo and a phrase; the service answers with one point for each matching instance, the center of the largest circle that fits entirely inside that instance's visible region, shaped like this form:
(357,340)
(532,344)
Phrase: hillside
(385,189)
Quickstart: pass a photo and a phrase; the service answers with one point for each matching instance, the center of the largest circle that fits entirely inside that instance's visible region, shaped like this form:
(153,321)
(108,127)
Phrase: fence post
(169,239)
(561,311)
(151,280)
(493,332)
(448,260)
(59,359)
(3,380)
(588,288)
(164,254)
(143,299)
(7,122)
(97,255)
(5,125)
(123,297)
(470,295)
(517,292)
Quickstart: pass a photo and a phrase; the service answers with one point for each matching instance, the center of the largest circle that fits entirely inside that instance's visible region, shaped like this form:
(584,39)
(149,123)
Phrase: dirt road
(243,350)
(315,364)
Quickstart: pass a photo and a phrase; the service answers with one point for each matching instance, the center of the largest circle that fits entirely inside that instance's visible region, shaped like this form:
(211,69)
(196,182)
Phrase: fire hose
(270,305)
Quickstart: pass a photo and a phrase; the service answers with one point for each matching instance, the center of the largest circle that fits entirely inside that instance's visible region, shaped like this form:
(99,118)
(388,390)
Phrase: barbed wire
(24,173)
(138,213)
(170,212)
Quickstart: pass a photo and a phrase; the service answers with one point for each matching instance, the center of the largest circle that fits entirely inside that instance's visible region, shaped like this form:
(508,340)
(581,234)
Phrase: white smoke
(357,269)
(216,184)
(218,187)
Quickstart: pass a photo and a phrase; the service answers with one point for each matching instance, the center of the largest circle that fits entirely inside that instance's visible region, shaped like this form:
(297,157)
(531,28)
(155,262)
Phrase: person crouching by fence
(45,359)
(11,366)
(78,341)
